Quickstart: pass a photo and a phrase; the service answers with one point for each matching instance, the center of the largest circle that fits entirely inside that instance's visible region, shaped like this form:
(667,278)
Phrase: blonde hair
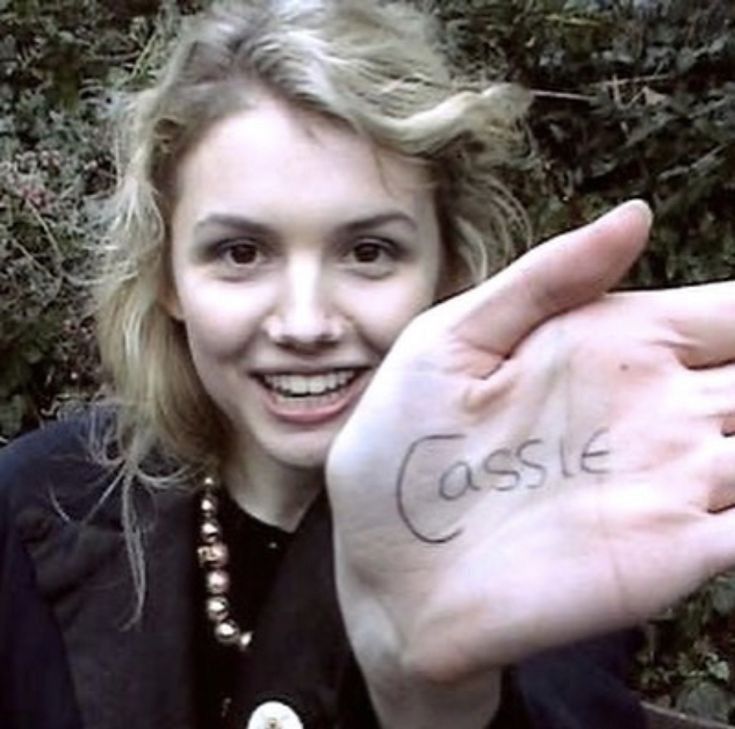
(371,65)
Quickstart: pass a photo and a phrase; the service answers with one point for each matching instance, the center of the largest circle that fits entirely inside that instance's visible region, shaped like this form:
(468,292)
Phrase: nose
(304,316)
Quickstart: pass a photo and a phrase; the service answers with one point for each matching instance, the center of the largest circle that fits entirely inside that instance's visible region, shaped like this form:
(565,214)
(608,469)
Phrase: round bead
(227,632)
(217,607)
(218,582)
(215,555)
(210,531)
(245,639)
(218,554)
(208,504)
(208,482)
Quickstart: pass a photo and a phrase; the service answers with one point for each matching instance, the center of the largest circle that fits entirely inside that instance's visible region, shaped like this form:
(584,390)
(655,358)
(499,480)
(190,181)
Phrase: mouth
(308,386)
(310,398)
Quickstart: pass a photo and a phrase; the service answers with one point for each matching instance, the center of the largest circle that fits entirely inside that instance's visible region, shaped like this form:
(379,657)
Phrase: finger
(703,317)
(565,272)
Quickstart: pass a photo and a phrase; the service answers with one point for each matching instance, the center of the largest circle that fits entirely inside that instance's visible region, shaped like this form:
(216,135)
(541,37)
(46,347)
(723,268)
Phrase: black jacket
(67,596)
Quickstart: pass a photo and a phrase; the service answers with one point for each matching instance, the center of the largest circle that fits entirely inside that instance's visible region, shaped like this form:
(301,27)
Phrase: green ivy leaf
(11,415)
(706,699)
(719,669)
(723,595)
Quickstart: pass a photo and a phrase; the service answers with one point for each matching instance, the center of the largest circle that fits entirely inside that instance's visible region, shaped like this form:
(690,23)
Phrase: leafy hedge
(632,101)
(58,63)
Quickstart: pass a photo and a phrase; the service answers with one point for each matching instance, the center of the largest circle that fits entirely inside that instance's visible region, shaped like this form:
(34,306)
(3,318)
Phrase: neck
(272,492)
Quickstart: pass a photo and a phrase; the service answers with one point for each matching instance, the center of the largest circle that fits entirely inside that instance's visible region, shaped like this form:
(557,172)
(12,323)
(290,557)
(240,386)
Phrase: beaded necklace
(214,557)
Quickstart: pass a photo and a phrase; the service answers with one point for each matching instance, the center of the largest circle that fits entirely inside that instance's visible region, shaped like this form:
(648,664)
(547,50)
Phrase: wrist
(409,685)
(404,696)
(413,703)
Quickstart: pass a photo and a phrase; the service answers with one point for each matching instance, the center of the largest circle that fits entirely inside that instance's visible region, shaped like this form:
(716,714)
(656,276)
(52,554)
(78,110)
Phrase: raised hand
(536,461)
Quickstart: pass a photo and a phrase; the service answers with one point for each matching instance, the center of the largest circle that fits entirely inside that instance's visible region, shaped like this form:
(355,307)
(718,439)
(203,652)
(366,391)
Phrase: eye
(239,253)
(374,257)
(368,252)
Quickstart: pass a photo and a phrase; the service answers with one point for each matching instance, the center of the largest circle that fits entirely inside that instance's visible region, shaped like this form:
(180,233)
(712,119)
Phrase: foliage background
(634,99)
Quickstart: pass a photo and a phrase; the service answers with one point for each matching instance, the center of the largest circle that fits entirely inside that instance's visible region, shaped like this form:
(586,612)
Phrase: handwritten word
(529,465)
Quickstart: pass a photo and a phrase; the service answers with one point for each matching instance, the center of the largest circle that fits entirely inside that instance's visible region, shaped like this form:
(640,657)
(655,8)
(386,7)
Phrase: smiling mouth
(302,386)
(313,398)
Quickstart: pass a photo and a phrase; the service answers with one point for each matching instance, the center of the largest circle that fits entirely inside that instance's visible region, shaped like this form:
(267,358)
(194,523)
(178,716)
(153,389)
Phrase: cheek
(218,323)
(386,313)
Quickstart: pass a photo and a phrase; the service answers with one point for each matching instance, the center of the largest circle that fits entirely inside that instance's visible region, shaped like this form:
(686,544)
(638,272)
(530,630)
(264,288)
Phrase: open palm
(537,461)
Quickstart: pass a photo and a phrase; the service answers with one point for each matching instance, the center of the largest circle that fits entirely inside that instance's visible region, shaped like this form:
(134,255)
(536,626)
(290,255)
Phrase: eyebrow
(249,225)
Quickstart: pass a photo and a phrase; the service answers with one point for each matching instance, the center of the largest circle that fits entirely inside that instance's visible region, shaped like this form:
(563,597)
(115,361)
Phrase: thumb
(560,274)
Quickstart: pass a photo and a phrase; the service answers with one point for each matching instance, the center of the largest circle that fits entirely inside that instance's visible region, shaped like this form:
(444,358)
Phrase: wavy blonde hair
(371,65)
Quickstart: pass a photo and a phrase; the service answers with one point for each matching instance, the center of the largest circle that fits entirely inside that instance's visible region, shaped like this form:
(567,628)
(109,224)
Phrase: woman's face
(299,253)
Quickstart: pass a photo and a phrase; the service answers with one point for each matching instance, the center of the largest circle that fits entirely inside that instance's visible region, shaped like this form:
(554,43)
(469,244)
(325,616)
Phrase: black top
(256,550)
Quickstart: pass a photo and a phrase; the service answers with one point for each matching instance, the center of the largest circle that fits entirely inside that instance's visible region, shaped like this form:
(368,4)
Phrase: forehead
(270,154)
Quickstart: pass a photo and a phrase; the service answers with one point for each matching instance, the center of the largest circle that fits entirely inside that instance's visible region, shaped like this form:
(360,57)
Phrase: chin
(301,455)
(307,461)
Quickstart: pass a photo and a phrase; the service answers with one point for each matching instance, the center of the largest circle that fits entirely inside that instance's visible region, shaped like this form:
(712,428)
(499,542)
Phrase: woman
(302,182)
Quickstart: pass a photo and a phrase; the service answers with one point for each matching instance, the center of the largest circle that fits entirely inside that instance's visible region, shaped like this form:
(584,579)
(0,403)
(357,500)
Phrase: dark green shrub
(57,60)
(629,104)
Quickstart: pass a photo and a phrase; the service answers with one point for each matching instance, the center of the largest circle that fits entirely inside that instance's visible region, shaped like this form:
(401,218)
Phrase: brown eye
(368,252)
(239,253)
(242,254)
(372,257)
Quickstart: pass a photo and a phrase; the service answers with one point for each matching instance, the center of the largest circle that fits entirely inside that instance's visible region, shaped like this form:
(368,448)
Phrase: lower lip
(309,410)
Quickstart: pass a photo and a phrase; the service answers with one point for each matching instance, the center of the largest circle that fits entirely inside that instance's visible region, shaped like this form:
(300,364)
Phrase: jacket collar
(83,571)
(143,675)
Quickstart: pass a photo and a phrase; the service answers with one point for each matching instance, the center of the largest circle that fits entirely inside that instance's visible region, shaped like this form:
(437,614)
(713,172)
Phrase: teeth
(301,385)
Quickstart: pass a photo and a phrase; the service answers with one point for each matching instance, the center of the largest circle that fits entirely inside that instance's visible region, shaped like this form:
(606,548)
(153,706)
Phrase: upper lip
(322,369)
